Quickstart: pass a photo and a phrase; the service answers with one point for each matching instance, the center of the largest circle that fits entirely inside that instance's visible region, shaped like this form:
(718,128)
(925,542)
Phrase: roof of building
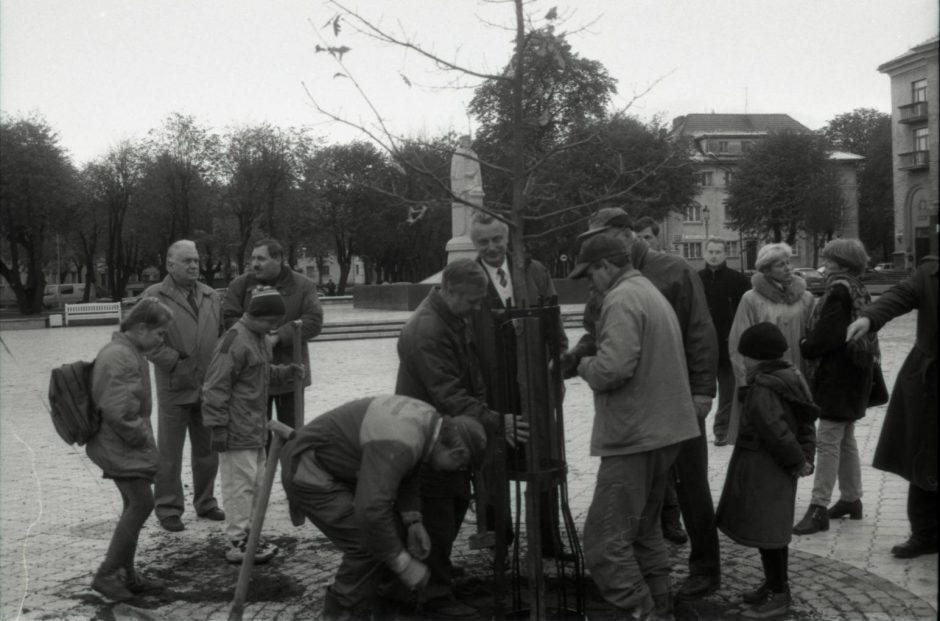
(699,124)
(928,46)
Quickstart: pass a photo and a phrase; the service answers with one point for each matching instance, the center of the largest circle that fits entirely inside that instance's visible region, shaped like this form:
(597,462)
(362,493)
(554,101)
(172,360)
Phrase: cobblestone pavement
(57,513)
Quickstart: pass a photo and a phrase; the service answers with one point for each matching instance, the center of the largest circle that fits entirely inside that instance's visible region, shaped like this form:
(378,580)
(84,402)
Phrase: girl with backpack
(124,446)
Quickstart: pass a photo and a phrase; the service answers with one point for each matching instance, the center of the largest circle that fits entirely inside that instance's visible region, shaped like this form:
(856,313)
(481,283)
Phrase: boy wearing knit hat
(775,446)
(234,406)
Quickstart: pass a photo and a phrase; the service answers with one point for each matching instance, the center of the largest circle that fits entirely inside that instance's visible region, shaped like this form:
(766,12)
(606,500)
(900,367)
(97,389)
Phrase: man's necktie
(191,298)
(502,277)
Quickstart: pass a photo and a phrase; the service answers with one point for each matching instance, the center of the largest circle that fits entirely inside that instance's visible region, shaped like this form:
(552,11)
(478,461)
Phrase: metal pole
(298,382)
(281,433)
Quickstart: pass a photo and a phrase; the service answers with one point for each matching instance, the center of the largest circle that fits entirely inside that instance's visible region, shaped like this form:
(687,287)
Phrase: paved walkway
(57,513)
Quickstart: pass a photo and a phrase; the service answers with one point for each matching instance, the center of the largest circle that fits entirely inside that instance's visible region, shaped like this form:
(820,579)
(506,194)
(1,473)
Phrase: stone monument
(466,182)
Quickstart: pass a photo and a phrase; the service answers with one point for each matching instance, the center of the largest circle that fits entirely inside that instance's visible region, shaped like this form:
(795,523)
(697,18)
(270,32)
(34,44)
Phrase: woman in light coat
(124,446)
(778,297)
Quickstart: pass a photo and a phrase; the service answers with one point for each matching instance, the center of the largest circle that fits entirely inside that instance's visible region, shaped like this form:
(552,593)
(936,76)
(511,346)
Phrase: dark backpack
(74,414)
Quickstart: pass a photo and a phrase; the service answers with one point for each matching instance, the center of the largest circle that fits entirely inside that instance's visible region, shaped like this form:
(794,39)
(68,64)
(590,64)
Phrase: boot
(843,508)
(112,585)
(815,520)
(757,595)
(774,606)
(333,610)
(139,583)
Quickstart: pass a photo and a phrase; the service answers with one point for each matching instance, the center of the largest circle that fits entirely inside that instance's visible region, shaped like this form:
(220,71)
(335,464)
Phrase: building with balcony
(914,130)
(719,143)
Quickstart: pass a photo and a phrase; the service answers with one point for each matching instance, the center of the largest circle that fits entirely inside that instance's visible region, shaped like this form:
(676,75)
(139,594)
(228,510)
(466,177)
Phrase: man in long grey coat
(181,364)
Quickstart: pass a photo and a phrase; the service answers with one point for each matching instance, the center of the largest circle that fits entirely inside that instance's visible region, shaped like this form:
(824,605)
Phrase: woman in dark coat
(774,446)
(840,375)
(908,443)
(124,446)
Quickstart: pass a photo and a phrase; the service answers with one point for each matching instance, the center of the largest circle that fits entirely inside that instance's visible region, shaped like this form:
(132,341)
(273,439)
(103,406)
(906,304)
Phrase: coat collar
(791,294)
(440,308)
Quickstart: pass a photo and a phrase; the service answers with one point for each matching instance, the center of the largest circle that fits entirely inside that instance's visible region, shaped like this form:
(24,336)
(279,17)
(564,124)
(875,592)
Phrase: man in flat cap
(682,288)
(642,413)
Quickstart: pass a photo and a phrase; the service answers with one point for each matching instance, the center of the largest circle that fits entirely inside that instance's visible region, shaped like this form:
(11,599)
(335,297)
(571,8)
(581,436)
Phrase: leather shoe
(215,514)
(914,547)
(843,508)
(674,533)
(172,523)
(698,586)
(721,441)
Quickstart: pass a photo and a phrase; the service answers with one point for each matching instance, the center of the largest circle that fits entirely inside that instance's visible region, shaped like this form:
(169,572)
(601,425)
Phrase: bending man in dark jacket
(300,299)
(354,473)
(682,287)
(908,442)
(438,364)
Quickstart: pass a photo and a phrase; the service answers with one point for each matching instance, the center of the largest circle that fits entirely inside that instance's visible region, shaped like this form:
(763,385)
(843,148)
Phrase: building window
(919,91)
(722,146)
(920,139)
(692,250)
(693,213)
(728,177)
(732,249)
(708,178)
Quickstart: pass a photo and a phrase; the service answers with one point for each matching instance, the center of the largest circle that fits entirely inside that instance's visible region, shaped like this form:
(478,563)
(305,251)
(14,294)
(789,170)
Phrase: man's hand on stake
(419,543)
(517,430)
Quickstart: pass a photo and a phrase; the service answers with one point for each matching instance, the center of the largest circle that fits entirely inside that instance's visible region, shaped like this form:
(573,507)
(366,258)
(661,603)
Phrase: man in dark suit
(490,238)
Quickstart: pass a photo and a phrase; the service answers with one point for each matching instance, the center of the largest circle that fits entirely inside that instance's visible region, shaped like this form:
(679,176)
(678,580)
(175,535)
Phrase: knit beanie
(770,253)
(266,302)
(763,341)
(850,253)
(473,436)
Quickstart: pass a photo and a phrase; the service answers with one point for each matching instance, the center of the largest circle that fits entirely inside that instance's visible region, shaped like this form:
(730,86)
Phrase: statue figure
(466,182)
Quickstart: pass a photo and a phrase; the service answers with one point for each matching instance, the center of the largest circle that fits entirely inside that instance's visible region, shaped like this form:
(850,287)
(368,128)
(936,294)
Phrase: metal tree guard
(530,384)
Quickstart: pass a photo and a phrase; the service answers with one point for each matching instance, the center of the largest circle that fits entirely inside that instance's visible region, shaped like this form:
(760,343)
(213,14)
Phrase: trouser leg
(828,440)
(205,463)
(241,472)
(725,397)
(775,568)
(922,508)
(442,519)
(623,546)
(137,496)
(670,510)
(331,511)
(695,502)
(850,466)
(172,422)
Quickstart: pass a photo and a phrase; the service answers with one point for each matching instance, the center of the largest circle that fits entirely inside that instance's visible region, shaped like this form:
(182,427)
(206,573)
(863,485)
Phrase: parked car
(815,281)
(884,267)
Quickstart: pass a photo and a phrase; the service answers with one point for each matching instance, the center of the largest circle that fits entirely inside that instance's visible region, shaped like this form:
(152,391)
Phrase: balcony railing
(913,160)
(913,112)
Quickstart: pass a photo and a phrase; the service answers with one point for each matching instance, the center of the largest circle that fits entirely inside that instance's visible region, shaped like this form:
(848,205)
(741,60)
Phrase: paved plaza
(57,513)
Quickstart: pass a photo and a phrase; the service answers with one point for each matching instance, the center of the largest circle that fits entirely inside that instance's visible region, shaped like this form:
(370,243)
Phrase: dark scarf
(864,351)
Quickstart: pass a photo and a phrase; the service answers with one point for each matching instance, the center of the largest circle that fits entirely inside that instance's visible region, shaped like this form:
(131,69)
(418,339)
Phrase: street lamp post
(705,213)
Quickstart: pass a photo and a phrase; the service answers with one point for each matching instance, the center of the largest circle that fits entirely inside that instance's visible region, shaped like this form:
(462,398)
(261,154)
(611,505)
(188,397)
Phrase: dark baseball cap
(594,249)
(607,218)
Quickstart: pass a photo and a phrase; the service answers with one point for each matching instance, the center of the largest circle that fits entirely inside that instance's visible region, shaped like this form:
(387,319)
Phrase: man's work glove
(803,470)
(219,442)
(703,405)
(569,365)
(419,543)
(413,573)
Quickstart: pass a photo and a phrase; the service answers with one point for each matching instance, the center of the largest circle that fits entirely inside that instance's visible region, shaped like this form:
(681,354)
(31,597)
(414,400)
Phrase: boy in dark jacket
(774,447)
(235,397)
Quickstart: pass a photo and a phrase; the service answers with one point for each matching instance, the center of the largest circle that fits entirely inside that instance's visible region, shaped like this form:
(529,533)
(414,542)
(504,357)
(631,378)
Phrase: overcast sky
(101,71)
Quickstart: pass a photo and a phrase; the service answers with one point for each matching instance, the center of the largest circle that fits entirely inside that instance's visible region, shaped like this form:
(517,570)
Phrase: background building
(914,131)
(720,142)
